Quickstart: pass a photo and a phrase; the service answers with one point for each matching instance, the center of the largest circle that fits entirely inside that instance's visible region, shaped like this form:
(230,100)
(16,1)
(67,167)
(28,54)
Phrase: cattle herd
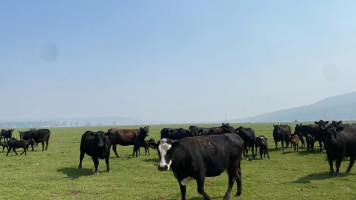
(201,152)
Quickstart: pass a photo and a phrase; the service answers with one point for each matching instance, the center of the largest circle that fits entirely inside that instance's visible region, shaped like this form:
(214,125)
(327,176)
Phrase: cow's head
(321,123)
(330,133)
(100,136)
(227,128)
(144,131)
(166,148)
(336,123)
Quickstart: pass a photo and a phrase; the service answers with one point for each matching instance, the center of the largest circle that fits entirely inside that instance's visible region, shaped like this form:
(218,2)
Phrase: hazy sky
(172,60)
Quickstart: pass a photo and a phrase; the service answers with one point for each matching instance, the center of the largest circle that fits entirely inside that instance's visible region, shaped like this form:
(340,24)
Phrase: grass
(54,174)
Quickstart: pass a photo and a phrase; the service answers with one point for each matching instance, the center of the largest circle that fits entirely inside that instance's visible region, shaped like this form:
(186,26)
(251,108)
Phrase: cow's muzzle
(163,168)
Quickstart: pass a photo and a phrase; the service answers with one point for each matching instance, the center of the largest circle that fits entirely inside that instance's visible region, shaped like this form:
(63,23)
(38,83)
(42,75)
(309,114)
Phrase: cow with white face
(204,156)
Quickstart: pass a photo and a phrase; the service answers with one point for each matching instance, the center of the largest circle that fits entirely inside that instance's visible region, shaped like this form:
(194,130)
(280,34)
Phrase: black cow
(200,157)
(39,135)
(14,144)
(96,145)
(175,133)
(248,136)
(6,144)
(224,128)
(282,133)
(261,142)
(310,142)
(340,142)
(6,134)
(312,129)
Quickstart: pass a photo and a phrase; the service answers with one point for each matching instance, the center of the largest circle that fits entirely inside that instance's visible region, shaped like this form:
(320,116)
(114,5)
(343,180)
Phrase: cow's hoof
(347,172)
(238,194)
(96,173)
(109,171)
(331,174)
(337,174)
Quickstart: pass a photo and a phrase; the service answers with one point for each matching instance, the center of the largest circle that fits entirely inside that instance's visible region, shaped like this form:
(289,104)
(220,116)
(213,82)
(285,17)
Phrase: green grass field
(54,174)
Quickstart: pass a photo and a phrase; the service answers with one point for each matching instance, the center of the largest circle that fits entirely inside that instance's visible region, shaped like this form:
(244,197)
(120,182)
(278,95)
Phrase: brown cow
(126,137)
(295,142)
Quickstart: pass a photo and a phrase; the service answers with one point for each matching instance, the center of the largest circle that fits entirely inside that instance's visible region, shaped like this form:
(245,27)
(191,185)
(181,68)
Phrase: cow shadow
(75,173)
(315,176)
(199,198)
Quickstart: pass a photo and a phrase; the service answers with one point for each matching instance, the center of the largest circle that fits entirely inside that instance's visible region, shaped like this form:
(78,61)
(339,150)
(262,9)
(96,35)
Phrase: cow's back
(123,136)
(212,154)
(349,140)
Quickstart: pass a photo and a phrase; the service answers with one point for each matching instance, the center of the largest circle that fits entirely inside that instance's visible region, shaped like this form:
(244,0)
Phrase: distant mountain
(342,107)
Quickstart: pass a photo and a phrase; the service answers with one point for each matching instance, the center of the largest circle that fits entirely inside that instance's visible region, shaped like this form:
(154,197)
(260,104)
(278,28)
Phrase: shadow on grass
(315,176)
(152,160)
(305,152)
(75,173)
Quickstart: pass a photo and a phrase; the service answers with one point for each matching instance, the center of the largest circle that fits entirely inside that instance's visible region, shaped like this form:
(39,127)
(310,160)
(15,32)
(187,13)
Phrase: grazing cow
(15,144)
(310,142)
(248,136)
(127,137)
(312,129)
(295,142)
(261,142)
(340,142)
(96,145)
(39,135)
(175,133)
(200,157)
(6,134)
(282,133)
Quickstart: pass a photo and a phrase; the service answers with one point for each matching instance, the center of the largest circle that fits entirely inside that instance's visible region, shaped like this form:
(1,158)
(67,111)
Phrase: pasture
(54,174)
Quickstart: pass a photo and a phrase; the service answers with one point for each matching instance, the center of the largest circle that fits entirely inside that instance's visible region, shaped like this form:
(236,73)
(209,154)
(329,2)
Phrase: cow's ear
(316,122)
(106,134)
(326,122)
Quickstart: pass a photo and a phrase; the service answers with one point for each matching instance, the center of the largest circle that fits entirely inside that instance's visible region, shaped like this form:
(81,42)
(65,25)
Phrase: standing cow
(96,145)
(6,134)
(126,137)
(248,136)
(313,130)
(282,133)
(39,135)
(200,157)
(340,142)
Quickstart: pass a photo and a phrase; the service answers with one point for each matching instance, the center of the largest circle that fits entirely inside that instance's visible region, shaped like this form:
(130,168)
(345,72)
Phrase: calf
(126,137)
(295,142)
(6,144)
(15,144)
(146,144)
(248,136)
(96,145)
(261,142)
(340,142)
(310,142)
(200,157)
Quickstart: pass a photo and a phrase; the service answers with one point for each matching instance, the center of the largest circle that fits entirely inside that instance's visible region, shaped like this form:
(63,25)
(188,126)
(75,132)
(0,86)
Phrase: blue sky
(172,60)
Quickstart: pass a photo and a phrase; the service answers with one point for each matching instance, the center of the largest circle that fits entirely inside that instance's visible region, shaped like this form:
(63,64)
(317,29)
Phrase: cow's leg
(352,161)
(261,152)
(183,190)
(114,149)
(302,140)
(8,151)
(312,146)
(81,159)
(107,162)
(42,146)
(24,151)
(252,149)
(255,150)
(238,179)
(46,144)
(338,163)
(32,146)
(276,144)
(267,152)
(231,183)
(13,149)
(246,153)
(321,146)
(96,164)
(200,183)
(282,144)
(135,150)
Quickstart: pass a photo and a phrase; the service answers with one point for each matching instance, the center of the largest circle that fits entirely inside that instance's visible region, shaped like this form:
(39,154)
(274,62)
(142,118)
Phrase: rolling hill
(341,107)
